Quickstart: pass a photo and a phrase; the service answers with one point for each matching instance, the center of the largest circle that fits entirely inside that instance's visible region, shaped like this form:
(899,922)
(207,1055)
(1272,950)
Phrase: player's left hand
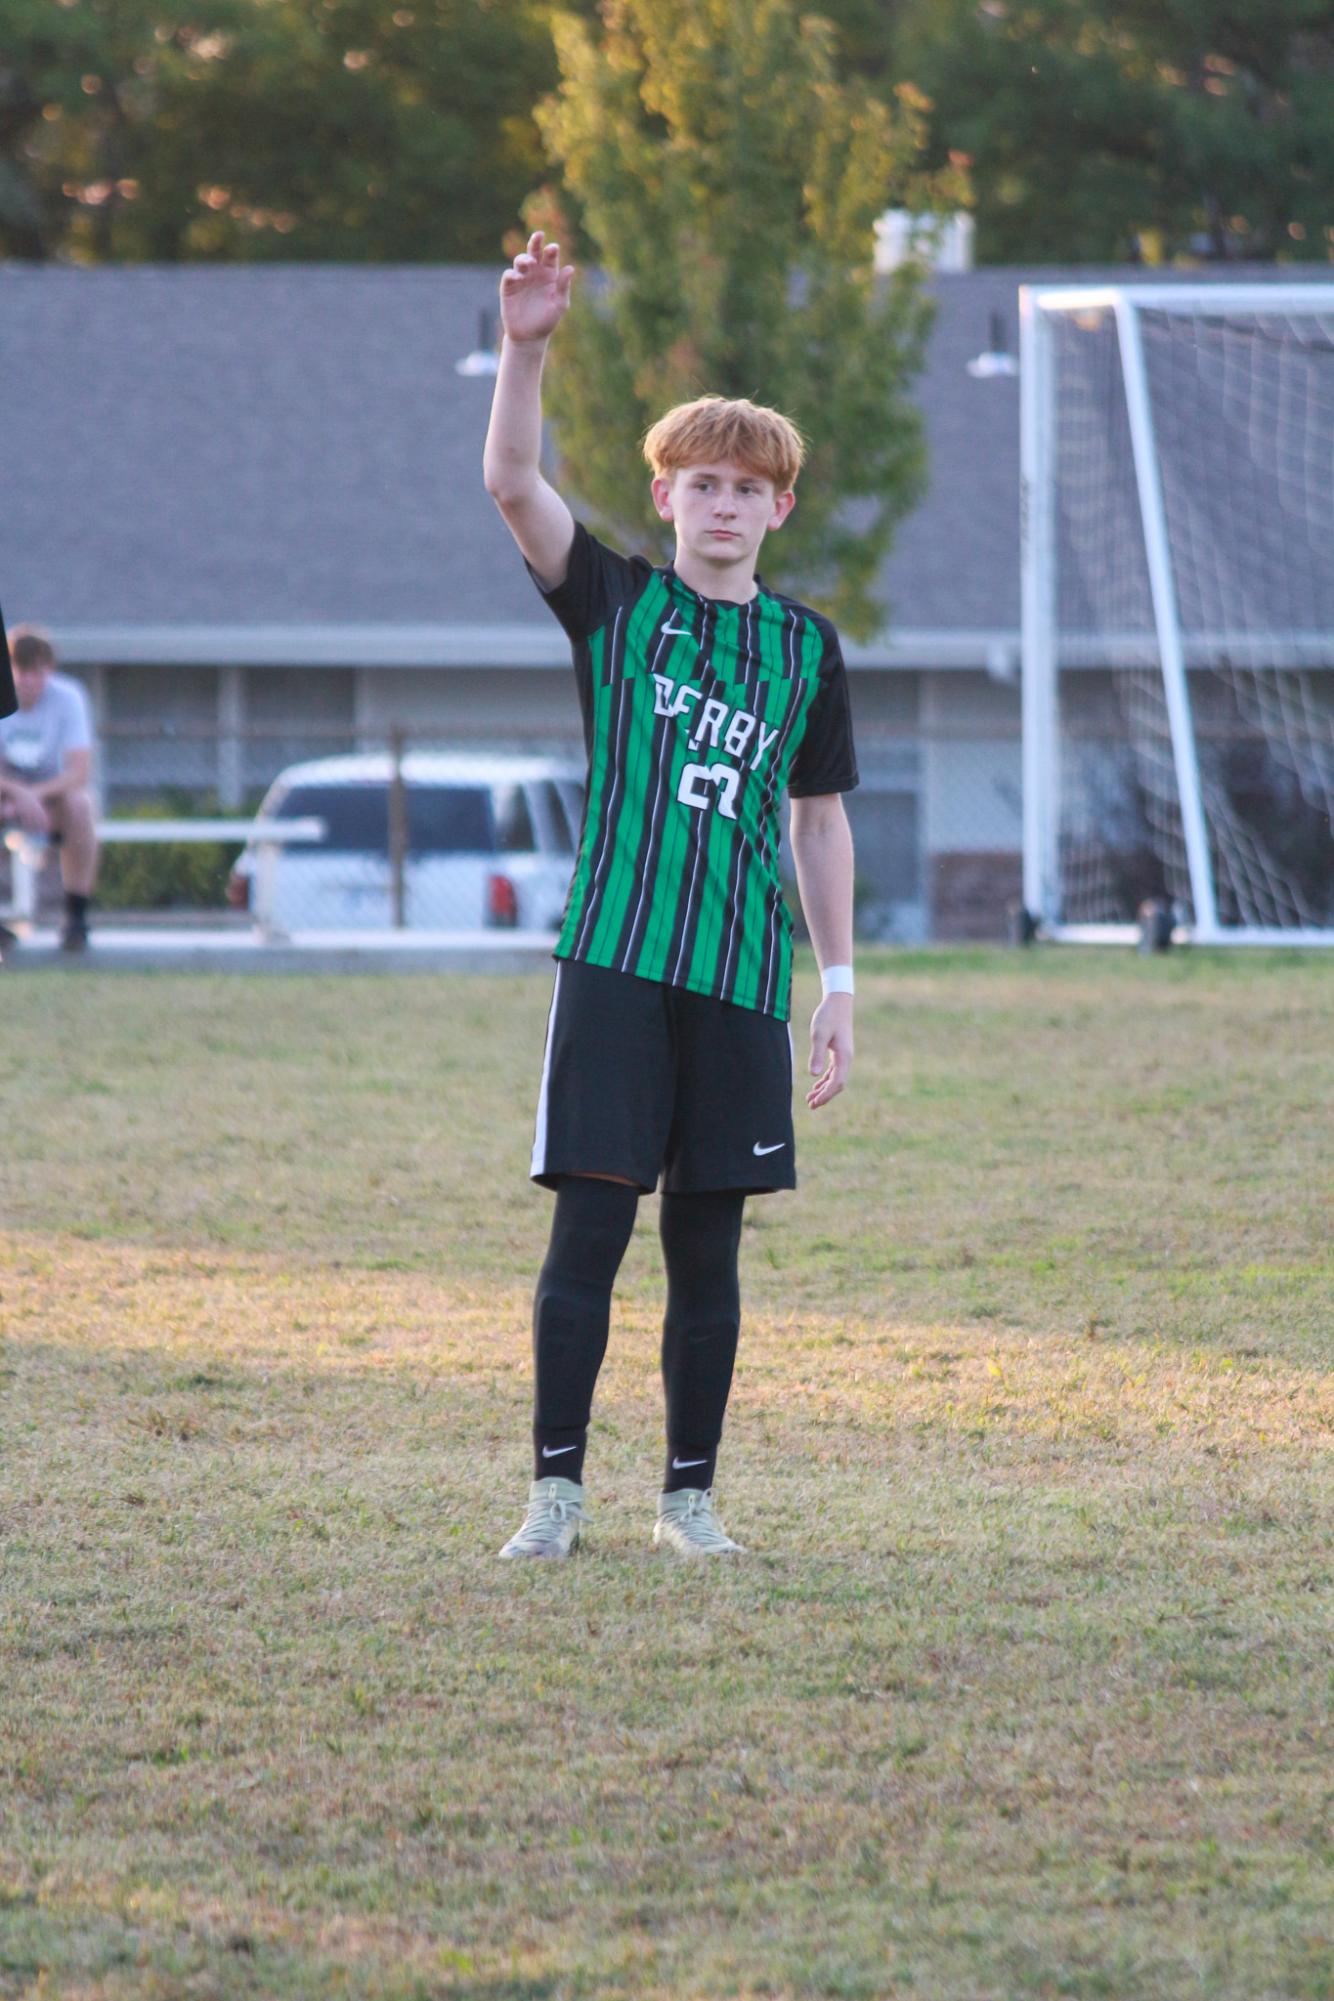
(831,1048)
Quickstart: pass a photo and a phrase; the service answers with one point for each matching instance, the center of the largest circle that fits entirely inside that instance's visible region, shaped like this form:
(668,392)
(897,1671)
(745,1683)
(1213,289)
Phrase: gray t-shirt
(34,742)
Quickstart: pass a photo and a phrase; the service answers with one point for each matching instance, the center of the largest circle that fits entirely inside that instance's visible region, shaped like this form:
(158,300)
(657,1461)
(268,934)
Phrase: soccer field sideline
(1025,1690)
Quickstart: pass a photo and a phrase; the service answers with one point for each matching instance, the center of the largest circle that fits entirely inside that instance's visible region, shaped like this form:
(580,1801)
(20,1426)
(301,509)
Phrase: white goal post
(1177,506)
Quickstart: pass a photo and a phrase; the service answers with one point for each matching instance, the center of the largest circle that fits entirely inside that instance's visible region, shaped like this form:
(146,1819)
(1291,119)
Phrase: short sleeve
(596,582)
(76,729)
(826,760)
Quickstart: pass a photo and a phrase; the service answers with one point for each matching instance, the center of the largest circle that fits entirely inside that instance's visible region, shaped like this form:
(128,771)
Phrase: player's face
(721,512)
(29,683)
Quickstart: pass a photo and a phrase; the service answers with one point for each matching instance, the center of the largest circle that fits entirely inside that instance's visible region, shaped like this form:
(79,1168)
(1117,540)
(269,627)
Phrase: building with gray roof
(247,503)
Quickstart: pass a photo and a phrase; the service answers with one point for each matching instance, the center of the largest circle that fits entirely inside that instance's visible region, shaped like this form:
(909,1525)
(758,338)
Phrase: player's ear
(662,498)
(783,506)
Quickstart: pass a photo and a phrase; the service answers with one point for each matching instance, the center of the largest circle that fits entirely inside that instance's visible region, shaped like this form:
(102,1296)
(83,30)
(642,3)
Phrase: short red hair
(732,430)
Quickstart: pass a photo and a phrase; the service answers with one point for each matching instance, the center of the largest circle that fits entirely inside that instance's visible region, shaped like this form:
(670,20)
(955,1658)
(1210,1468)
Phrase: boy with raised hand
(704,696)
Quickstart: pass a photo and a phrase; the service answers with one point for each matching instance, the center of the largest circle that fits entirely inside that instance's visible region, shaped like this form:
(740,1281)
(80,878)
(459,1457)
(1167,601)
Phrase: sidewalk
(204,949)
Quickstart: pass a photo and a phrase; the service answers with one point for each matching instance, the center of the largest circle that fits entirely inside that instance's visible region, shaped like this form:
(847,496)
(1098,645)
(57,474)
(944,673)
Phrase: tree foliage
(1153,127)
(727,185)
(312,129)
(372,130)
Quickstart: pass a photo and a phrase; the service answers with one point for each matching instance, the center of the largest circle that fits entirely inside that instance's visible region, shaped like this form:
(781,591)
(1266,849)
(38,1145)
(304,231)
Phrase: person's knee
(71,815)
(591,1227)
(77,816)
(701,1237)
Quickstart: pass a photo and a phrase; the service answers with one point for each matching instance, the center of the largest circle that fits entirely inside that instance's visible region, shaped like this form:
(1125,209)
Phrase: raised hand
(535,291)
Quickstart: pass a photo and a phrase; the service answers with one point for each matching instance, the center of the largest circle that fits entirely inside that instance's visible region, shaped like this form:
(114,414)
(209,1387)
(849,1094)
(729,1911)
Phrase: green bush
(166,875)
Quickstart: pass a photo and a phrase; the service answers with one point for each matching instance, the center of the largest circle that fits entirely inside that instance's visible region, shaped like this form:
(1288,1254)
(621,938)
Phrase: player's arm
(75,774)
(822,850)
(534,294)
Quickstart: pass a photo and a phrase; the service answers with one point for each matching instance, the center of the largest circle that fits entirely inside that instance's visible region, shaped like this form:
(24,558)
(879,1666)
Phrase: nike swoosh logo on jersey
(777,1145)
(554,1451)
(679,1465)
(679,632)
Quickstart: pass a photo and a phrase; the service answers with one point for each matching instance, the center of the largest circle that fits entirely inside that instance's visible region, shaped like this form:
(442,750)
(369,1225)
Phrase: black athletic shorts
(642,1079)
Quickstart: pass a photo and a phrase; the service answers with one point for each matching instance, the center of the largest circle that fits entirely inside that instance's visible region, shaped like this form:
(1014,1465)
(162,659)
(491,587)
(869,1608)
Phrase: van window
(514,825)
(356,818)
(450,820)
(554,813)
(442,819)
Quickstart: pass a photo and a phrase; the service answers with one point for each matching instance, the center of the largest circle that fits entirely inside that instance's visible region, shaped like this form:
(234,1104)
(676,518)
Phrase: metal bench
(28,853)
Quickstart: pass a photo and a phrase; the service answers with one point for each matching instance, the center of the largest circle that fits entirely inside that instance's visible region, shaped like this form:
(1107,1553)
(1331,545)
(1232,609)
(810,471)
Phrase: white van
(488,840)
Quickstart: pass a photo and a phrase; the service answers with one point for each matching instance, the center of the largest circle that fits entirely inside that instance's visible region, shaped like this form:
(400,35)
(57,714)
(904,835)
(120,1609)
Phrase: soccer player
(704,695)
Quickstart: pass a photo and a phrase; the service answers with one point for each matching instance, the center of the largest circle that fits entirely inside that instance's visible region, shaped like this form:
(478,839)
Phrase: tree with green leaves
(1158,128)
(254,129)
(727,183)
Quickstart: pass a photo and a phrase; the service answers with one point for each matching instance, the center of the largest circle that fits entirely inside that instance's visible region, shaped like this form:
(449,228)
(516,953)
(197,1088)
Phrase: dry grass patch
(1025,1689)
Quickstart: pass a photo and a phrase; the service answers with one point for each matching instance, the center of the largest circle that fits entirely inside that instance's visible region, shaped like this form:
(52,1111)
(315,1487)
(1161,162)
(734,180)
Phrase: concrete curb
(112,949)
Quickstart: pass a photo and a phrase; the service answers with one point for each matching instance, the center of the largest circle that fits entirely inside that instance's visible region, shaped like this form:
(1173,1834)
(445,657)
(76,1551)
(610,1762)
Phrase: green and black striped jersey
(698,714)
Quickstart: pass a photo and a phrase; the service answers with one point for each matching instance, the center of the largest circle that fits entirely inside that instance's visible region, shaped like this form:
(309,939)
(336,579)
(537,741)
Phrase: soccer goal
(1178,610)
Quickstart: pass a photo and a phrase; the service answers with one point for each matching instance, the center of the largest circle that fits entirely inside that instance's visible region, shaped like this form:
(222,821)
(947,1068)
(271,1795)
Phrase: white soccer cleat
(551,1526)
(688,1524)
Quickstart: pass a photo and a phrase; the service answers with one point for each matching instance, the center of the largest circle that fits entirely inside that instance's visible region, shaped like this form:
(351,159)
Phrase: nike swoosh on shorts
(775,1148)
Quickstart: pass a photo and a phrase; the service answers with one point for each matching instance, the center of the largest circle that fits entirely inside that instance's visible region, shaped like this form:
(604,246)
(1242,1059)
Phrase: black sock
(571,1315)
(689,1466)
(558,1452)
(701,1237)
(76,907)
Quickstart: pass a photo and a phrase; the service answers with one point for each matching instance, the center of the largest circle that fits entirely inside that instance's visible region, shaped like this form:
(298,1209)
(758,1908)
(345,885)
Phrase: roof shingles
(291,445)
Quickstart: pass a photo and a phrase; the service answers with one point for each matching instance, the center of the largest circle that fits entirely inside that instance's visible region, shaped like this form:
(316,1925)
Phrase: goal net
(1178,505)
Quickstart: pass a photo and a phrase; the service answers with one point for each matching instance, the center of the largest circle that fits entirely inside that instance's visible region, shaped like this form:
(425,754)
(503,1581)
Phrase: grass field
(1026,1689)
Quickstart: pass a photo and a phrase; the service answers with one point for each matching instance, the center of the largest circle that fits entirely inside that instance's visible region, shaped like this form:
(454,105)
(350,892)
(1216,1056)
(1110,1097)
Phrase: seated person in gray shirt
(46,762)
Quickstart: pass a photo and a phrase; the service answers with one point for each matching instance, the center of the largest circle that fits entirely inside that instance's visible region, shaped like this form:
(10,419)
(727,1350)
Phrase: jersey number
(703,785)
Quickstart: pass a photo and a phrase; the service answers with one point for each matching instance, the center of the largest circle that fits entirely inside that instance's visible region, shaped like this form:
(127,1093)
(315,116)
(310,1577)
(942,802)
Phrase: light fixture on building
(484,360)
(996,359)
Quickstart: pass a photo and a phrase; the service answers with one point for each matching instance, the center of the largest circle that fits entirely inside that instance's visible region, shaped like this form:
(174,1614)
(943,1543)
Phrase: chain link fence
(417,835)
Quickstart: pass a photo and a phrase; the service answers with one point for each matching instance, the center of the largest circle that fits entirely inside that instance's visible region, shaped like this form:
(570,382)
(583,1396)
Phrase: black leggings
(701,1237)
(572,1311)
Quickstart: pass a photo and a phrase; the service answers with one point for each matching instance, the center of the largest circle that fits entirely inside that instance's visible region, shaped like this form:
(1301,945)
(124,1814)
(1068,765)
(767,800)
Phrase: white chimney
(942,242)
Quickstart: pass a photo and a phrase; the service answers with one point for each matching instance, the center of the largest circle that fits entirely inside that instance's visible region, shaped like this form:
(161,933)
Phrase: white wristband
(837,980)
